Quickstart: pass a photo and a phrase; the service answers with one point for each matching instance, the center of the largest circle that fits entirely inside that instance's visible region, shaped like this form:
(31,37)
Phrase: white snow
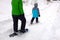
(48,27)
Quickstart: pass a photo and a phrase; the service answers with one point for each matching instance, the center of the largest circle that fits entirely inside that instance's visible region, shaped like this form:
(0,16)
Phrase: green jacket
(17,7)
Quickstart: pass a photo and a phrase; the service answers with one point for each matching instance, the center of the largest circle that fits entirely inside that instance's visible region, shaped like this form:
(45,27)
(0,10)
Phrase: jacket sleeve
(38,11)
(14,4)
(20,6)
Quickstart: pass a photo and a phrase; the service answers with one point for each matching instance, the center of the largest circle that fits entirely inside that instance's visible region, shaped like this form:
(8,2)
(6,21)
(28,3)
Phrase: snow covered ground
(48,27)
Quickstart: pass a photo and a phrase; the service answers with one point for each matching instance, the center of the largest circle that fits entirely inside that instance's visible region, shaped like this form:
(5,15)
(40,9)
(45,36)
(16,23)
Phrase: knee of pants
(24,20)
(15,24)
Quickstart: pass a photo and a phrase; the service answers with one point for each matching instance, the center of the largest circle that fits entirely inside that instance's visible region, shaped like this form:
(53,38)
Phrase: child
(35,12)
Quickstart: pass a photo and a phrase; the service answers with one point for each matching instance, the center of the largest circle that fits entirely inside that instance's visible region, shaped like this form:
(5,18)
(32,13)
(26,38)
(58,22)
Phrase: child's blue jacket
(35,12)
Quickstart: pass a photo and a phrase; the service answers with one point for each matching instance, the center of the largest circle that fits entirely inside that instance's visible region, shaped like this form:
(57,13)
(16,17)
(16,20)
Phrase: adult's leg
(15,23)
(23,22)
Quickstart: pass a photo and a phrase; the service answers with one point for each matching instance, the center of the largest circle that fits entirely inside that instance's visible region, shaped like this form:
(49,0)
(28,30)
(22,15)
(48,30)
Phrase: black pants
(15,22)
(33,20)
